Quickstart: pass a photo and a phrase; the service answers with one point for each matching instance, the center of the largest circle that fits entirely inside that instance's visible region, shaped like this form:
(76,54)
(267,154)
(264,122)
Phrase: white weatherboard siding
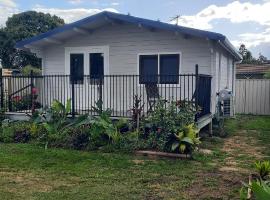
(126,42)
(222,73)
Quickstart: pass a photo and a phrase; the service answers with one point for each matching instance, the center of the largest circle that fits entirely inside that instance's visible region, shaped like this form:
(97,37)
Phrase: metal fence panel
(252,96)
(25,93)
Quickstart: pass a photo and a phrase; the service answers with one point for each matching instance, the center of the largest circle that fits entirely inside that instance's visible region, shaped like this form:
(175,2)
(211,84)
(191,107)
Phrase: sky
(243,21)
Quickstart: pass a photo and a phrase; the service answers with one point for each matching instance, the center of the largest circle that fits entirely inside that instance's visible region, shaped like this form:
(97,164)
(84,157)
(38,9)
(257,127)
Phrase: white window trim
(86,50)
(158,54)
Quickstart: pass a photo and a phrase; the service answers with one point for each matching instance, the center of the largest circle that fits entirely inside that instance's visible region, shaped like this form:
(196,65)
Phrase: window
(160,68)
(96,62)
(148,68)
(76,68)
(169,68)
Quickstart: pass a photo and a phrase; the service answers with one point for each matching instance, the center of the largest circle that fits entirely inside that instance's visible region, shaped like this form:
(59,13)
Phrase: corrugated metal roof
(135,20)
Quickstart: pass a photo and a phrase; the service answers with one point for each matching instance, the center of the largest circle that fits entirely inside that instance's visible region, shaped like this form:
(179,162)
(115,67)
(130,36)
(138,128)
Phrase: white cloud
(8,3)
(253,39)
(75,2)
(71,15)
(235,12)
(8,8)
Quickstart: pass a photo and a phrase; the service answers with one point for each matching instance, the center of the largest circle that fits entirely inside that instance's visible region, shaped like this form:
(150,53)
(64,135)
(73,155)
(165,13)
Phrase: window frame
(158,54)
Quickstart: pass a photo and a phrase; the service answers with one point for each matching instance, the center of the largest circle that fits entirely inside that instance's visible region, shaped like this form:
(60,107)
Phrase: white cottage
(132,56)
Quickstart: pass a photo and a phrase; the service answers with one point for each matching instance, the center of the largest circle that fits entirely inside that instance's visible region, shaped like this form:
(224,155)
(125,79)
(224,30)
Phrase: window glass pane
(76,68)
(169,68)
(148,69)
(96,66)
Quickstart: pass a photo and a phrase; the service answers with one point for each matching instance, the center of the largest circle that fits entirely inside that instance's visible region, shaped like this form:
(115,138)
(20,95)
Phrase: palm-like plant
(186,139)
(55,120)
(263,168)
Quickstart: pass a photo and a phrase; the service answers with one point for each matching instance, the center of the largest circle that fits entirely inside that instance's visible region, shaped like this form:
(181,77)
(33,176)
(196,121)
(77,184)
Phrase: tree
(246,54)
(242,50)
(19,27)
(262,59)
(248,58)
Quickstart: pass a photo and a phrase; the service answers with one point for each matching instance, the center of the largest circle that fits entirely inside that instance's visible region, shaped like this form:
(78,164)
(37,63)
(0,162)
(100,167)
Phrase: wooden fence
(252,96)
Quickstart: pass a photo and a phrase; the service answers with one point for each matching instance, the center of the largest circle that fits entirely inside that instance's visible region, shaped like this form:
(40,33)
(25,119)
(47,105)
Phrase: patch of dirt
(213,185)
(17,182)
(230,172)
(240,146)
(137,162)
(206,151)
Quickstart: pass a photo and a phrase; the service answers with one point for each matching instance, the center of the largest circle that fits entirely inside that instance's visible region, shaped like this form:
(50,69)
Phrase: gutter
(232,51)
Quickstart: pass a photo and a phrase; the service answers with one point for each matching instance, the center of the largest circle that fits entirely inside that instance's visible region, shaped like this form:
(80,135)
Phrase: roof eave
(135,20)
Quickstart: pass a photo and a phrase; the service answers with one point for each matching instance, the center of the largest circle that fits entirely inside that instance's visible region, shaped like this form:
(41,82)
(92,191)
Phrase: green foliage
(26,71)
(103,129)
(165,121)
(263,168)
(22,26)
(17,131)
(248,58)
(171,116)
(260,190)
(186,139)
(267,75)
(243,193)
(55,121)
(260,186)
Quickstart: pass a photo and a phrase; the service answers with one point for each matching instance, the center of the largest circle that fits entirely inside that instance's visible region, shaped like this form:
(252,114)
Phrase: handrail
(20,90)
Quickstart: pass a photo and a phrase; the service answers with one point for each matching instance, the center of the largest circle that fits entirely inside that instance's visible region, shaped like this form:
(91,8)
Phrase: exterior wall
(223,73)
(126,42)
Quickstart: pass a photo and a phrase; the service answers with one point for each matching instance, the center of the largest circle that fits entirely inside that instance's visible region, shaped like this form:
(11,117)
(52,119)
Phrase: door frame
(86,50)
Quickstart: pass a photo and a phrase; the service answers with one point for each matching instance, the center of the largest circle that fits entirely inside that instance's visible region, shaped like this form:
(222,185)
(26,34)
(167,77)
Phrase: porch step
(204,121)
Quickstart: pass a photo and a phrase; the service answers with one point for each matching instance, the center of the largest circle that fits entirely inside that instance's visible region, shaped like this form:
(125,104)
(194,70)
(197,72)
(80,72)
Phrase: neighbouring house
(132,56)
(251,71)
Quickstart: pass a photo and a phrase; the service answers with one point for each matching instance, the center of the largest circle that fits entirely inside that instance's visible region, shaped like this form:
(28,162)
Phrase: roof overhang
(87,25)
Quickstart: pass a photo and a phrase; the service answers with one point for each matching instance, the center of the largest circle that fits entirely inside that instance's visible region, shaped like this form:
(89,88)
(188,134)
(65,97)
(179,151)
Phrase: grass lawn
(29,172)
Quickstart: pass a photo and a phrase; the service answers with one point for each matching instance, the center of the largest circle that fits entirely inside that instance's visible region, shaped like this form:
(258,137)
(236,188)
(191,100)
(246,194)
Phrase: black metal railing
(117,92)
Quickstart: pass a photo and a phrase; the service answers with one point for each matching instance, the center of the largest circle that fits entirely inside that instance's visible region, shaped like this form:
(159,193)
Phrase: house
(251,71)
(132,55)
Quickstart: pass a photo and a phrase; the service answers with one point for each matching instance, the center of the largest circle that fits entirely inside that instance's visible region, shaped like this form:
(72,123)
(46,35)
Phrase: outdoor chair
(153,96)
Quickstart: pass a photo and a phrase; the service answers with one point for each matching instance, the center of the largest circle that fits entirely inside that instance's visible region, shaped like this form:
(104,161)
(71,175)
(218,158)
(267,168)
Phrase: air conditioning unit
(225,97)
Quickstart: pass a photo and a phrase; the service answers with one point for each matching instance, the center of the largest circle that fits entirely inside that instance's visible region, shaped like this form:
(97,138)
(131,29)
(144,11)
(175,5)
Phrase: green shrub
(26,71)
(56,122)
(18,132)
(74,138)
(165,122)
(127,142)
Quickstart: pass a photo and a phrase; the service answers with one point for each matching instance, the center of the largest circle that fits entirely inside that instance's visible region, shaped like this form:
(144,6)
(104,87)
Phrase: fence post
(196,90)
(72,96)
(32,92)
(2,89)
(100,91)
